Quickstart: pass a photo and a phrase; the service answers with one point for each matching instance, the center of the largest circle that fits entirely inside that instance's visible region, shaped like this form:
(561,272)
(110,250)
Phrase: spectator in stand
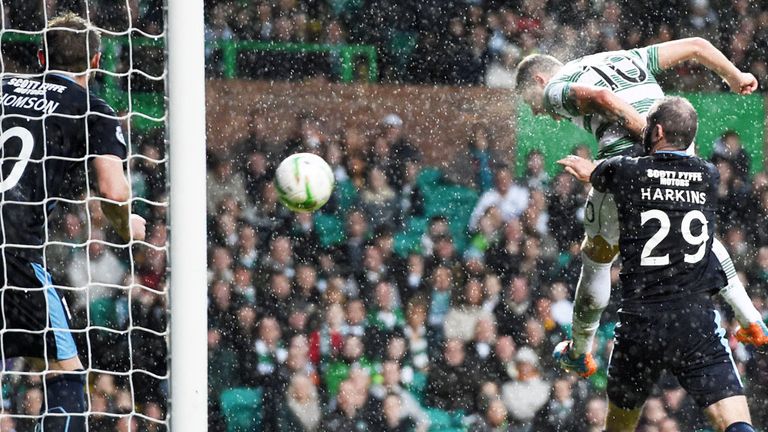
(348,414)
(439,297)
(326,343)
(97,270)
(400,149)
(494,420)
(357,230)
(564,207)
(225,181)
(474,167)
(514,309)
(559,413)
(410,196)
(394,418)
(733,195)
(378,199)
(507,195)
(480,350)
(385,319)
(529,393)
(307,136)
(728,148)
(466,312)
(302,411)
(352,358)
(451,385)
(415,332)
(535,175)
(757,227)
(597,409)
(409,407)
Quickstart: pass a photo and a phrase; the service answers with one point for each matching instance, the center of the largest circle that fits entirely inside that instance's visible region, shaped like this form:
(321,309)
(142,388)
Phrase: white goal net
(117,292)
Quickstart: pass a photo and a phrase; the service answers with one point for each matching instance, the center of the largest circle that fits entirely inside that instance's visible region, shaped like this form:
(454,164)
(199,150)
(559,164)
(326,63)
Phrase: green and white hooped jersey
(631,75)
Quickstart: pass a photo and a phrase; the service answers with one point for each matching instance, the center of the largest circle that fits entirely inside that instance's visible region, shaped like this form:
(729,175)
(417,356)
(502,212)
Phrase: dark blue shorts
(688,343)
(35,317)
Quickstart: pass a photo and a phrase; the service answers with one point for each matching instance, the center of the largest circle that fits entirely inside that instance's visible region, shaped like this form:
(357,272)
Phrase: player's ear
(96,60)
(540,79)
(659,132)
(41,58)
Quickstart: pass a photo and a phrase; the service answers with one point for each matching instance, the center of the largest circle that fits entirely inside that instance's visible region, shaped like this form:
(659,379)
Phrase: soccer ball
(304,182)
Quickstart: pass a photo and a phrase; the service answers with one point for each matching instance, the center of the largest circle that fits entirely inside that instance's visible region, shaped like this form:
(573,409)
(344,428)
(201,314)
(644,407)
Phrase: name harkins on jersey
(676,179)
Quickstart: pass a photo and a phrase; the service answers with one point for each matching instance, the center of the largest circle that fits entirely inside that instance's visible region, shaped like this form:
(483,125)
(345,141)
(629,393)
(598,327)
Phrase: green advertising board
(718,112)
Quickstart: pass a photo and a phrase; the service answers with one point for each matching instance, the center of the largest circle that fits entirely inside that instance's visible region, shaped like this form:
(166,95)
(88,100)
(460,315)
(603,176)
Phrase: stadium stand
(321,322)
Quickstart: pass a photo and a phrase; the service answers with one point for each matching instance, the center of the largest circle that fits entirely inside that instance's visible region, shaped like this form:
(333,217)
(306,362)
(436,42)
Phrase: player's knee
(599,250)
(740,427)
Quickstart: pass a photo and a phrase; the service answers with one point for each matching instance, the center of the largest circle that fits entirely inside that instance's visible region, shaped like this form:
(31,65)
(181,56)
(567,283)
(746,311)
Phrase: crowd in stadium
(360,325)
(352,319)
(475,42)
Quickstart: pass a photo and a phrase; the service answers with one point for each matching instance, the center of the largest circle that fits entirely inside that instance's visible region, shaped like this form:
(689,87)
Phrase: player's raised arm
(599,100)
(703,52)
(114,186)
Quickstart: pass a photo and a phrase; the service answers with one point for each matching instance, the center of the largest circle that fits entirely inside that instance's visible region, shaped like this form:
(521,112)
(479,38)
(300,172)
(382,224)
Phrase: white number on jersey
(27,142)
(695,240)
(622,69)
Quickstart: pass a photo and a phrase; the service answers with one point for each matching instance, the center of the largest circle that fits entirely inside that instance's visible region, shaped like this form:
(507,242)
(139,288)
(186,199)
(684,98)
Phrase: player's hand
(138,227)
(755,334)
(578,167)
(583,365)
(744,83)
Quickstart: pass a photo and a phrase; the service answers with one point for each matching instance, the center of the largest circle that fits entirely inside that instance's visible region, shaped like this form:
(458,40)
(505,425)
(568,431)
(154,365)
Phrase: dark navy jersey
(49,127)
(666,205)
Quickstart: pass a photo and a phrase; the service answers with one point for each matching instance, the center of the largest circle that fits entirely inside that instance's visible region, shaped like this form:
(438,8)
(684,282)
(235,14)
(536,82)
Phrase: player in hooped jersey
(608,94)
(52,126)
(667,203)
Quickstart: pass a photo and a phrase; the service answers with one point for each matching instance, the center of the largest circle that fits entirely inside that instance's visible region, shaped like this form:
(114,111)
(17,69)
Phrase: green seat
(103,312)
(418,386)
(222,371)
(401,46)
(409,240)
(429,178)
(439,420)
(346,193)
(242,409)
(444,421)
(330,229)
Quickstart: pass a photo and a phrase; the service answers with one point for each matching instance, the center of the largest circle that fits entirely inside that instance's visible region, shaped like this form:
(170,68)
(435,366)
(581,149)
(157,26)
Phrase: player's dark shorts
(35,318)
(689,343)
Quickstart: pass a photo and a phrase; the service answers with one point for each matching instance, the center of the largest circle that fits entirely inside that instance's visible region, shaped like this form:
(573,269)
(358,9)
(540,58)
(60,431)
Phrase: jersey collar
(63,76)
(673,152)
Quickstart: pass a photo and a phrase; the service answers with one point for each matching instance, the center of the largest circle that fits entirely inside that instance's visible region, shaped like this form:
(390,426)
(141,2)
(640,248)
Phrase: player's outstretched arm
(703,52)
(114,186)
(599,100)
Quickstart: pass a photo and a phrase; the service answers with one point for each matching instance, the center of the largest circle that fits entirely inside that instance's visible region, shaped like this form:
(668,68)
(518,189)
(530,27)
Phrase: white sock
(592,295)
(734,293)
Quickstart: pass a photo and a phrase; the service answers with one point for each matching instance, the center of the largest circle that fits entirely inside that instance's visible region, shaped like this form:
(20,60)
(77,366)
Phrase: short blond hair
(70,43)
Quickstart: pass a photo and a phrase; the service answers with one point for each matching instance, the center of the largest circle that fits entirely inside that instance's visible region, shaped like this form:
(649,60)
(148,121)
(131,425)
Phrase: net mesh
(116,292)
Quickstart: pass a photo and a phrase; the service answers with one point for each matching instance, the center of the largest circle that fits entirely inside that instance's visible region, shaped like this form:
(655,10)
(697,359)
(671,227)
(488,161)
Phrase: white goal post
(188,240)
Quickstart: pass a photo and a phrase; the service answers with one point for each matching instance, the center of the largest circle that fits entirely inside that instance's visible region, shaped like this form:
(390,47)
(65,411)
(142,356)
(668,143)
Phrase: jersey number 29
(700,240)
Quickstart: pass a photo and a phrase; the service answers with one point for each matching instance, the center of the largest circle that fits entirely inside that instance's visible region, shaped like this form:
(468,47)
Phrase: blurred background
(428,294)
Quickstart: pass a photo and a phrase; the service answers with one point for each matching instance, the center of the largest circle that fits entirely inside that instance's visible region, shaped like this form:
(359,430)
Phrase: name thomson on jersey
(31,89)
(674,178)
